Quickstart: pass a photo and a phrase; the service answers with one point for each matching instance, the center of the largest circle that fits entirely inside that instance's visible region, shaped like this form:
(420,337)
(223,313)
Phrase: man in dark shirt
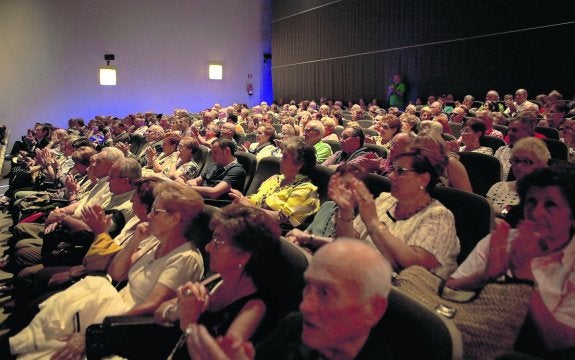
(224,174)
(341,306)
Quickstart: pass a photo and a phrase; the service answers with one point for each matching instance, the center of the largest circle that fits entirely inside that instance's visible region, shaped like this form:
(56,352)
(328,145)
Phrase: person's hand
(150,154)
(203,346)
(365,201)
(340,192)
(246,145)
(239,198)
(77,270)
(278,143)
(498,258)
(96,219)
(71,185)
(543,123)
(55,216)
(193,299)
(298,237)
(453,146)
(370,162)
(59,278)
(194,131)
(142,232)
(124,147)
(527,245)
(73,349)
(369,139)
(161,312)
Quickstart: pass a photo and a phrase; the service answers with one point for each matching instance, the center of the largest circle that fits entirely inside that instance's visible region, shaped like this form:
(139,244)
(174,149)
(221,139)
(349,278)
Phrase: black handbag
(63,247)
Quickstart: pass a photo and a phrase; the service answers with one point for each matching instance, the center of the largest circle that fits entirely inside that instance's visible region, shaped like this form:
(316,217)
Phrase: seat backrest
(477,104)
(201,157)
(370,132)
(249,162)
(338,130)
(558,149)
(251,137)
(288,283)
(365,123)
(347,116)
(377,184)
(483,170)
(334,144)
(549,133)
(266,167)
(491,142)
(201,234)
(472,215)
(414,331)
(320,178)
(136,143)
(504,129)
(378,149)
(456,128)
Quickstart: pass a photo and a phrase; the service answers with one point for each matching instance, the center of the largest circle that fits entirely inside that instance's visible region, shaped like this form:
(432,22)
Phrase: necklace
(403,216)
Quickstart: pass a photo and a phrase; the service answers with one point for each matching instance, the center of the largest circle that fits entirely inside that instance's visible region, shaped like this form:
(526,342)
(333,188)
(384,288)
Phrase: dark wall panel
(352,48)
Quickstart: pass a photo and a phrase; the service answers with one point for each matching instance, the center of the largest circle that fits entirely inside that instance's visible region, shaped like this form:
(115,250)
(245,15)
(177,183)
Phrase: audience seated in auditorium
(326,325)
(157,260)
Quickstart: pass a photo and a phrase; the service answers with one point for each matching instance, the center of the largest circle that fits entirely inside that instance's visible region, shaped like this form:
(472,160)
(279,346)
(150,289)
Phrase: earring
(421,188)
(240,266)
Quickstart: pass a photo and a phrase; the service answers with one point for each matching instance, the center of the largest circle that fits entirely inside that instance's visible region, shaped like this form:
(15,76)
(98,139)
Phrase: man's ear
(378,307)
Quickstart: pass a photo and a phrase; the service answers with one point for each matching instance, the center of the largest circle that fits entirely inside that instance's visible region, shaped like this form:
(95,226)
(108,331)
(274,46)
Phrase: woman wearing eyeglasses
(407,225)
(471,134)
(387,128)
(541,249)
(244,252)
(528,154)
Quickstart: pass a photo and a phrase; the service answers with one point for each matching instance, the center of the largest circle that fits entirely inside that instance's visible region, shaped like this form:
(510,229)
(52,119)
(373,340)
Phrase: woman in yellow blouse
(289,197)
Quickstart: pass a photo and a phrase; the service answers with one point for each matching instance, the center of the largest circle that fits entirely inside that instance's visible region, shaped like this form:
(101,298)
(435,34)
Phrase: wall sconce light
(215,71)
(108,73)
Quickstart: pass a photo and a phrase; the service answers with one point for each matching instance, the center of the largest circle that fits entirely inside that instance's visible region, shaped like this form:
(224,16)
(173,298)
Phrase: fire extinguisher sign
(250,85)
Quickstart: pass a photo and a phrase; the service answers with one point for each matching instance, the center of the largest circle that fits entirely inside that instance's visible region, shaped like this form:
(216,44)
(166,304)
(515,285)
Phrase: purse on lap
(489,320)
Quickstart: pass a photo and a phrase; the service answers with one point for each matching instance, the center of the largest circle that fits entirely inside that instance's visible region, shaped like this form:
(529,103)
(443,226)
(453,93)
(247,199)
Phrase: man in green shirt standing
(395,92)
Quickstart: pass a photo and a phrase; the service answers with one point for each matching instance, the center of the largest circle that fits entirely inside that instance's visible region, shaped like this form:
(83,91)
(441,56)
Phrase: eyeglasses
(345,137)
(218,243)
(309,130)
(157,211)
(516,161)
(465,131)
(399,171)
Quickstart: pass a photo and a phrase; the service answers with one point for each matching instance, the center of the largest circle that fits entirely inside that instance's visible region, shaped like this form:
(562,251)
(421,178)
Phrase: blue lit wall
(51,51)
